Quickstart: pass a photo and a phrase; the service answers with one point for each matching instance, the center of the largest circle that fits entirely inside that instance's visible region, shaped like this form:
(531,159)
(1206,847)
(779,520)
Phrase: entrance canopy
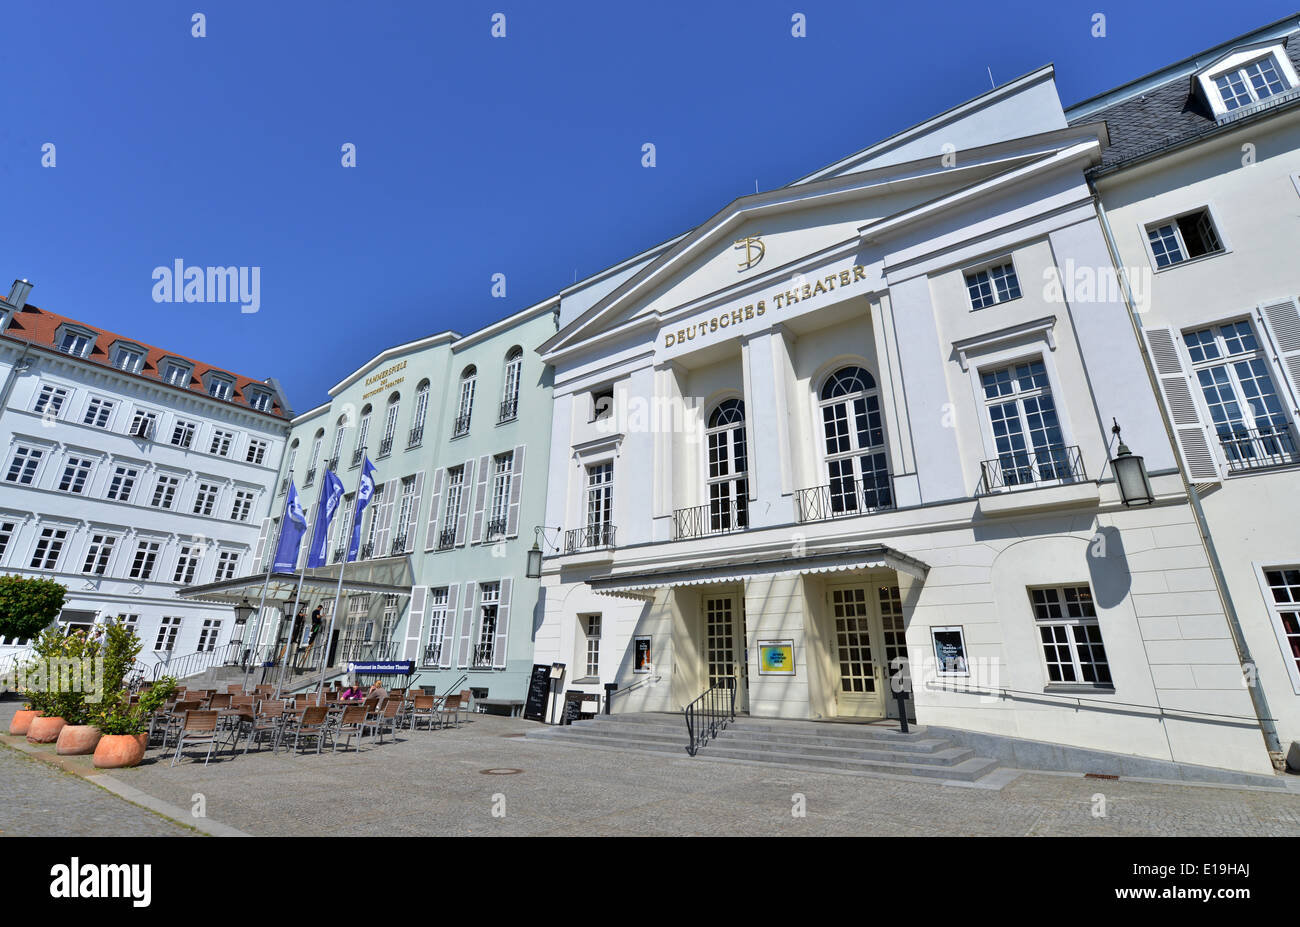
(391,575)
(642,585)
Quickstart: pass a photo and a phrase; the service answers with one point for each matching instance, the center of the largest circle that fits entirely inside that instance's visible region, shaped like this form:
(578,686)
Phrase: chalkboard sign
(573,706)
(539,688)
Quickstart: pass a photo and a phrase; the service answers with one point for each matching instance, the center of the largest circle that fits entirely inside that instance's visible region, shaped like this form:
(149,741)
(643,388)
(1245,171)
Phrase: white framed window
(177,374)
(209,633)
(50,400)
(98,412)
(592,657)
(465,407)
(363,432)
(167,631)
(513,375)
(992,284)
(1073,652)
(1251,83)
(122,483)
(146,558)
(75,343)
(314,459)
(405,506)
(489,599)
(451,509)
(187,563)
(1233,373)
(1282,585)
(220,387)
(854,448)
(421,410)
(257,452)
(7,531)
(373,527)
(221,442)
(23,465)
(727,475)
(600,495)
(259,400)
(143,423)
(242,506)
(128,358)
(76,474)
(49,545)
(205,500)
(333,462)
(130,622)
(183,433)
(164,491)
(1183,238)
(502,473)
(227,565)
(1027,435)
(437,626)
(390,425)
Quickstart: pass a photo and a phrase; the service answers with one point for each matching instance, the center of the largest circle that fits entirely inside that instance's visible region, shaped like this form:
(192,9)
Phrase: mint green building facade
(458,429)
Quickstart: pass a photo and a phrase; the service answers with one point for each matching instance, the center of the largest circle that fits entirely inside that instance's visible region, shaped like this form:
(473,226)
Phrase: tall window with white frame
(502,471)
(1254,429)
(187,563)
(1026,431)
(591,659)
(164,491)
(22,468)
(1284,590)
(437,626)
(390,424)
(98,412)
(7,531)
(465,407)
(333,462)
(376,502)
(316,443)
(416,436)
(227,565)
(728,476)
(489,600)
(146,557)
(405,512)
(857,462)
(209,633)
(50,400)
(600,509)
(122,483)
(143,423)
(363,433)
(98,554)
(1071,636)
(49,544)
(76,474)
(168,629)
(451,510)
(510,394)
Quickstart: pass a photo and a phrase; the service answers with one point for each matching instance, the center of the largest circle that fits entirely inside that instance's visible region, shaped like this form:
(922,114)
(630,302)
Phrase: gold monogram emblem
(754,250)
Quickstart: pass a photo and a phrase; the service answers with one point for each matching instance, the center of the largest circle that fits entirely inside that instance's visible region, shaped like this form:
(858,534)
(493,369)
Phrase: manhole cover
(503,771)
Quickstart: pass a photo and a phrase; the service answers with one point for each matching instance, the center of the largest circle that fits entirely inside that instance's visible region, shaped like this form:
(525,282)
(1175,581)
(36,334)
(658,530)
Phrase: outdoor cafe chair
(220,701)
(199,727)
(235,689)
(424,706)
(352,722)
(385,718)
(173,719)
(268,721)
(313,723)
(450,708)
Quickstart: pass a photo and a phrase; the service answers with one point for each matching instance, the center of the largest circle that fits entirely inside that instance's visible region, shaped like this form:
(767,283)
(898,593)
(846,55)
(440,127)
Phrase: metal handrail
(709,714)
(191,664)
(721,516)
(1055,465)
(1256,448)
(844,498)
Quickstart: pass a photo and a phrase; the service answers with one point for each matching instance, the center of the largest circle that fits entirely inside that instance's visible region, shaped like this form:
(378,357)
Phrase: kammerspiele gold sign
(779,299)
(384,379)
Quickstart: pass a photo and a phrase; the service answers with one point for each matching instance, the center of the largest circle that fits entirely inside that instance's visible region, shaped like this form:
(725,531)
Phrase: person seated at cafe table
(355,690)
(377,690)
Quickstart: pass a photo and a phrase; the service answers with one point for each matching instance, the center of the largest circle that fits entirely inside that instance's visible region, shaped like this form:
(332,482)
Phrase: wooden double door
(867,644)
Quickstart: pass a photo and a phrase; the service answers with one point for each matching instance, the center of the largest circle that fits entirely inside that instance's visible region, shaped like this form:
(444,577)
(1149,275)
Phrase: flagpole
(338,591)
(302,574)
(261,606)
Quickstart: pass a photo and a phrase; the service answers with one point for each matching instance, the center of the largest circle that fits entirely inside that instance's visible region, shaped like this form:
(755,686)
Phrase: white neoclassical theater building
(858,419)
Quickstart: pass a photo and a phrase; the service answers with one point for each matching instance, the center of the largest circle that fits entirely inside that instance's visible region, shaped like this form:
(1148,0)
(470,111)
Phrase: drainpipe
(1249,668)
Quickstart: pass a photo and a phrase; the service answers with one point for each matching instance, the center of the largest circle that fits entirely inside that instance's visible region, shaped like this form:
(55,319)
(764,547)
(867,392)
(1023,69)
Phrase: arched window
(317,440)
(510,394)
(421,409)
(466,407)
(288,471)
(363,431)
(856,462)
(390,424)
(339,428)
(728,477)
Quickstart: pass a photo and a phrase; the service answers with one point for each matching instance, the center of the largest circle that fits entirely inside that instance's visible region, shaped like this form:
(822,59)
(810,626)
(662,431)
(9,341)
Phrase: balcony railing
(352,649)
(357,455)
(339,553)
(720,516)
(1257,448)
(447,539)
(332,464)
(284,486)
(496,528)
(416,436)
(311,477)
(1051,465)
(844,499)
(399,545)
(461,427)
(432,655)
(589,538)
(482,657)
(386,446)
(367,550)
(509,409)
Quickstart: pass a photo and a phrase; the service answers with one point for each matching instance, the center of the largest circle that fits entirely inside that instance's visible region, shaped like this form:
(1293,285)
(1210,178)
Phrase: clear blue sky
(475,155)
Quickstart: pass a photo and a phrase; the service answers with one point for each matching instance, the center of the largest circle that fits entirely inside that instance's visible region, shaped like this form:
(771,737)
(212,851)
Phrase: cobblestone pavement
(433,783)
(37,800)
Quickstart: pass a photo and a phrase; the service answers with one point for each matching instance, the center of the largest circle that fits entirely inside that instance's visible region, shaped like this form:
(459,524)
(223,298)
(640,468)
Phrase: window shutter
(391,489)
(466,627)
(516,493)
(449,627)
(415,623)
(1282,322)
(1179,391)
(503,625)
(414,515)
(431,530)
(466,482)
(480,496)
(261,544)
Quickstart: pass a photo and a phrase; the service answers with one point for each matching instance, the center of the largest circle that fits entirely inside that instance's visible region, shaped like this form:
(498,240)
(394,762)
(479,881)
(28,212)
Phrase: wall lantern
(243,611)
(534,570)
(1130,474)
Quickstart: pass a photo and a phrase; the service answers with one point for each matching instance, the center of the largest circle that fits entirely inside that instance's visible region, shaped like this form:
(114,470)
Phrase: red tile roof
(39,326)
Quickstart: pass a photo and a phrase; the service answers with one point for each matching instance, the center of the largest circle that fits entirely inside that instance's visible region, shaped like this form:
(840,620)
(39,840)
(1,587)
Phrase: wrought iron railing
(399,545)
(367,550)
(432,655)
(447,539)
(1051,465)
(386,446)
(709,714)
(332,464)
(352,649)
(482,656)
(1256,448)
(339,553)
(311,477)
(416,436)
(720,516)
(845,498)
(496,528)
(357,455)
(284,486)
(461,426)
(191,664)
(509,409)
(590,537)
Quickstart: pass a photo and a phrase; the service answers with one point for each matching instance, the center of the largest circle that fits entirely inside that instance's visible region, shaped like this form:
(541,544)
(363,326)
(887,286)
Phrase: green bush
(28,605)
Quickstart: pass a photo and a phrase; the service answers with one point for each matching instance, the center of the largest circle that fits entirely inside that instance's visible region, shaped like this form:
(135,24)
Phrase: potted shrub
(47,693)
(27,604)
(32,702)
(125,726)
(78,706)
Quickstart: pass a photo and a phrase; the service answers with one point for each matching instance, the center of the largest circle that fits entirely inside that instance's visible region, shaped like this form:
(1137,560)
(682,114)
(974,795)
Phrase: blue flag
(292,527)
(331,496)
(364,492)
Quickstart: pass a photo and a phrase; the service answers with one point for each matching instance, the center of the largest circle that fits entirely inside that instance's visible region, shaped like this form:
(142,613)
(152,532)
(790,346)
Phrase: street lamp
(534,570)
(1130,474)
(243,611)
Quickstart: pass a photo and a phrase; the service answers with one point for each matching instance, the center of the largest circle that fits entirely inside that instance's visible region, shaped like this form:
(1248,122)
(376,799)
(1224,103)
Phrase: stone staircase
(868,749)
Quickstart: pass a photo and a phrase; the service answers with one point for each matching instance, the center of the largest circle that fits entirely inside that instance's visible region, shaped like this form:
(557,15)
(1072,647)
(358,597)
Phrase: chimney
(18,295)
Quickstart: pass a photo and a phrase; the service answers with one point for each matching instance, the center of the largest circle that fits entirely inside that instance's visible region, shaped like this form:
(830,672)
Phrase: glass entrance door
(859,654)
(724,644)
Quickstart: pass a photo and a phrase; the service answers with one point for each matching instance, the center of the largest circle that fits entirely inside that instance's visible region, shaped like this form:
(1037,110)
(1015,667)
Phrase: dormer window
(128,357)
(259,400)
(176,374)
(1257,81)
(1246,78)
(76,342)
(220,387)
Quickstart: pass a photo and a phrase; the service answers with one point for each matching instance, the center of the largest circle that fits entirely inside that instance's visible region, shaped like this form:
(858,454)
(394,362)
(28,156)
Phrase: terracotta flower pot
(115,751)
(22,720)
(77,740)
(44,730)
